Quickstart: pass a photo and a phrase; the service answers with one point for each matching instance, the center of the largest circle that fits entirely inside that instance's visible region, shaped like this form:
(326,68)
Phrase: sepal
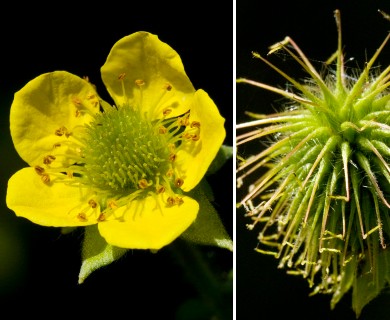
(96,253)
(208,228)
(224,154)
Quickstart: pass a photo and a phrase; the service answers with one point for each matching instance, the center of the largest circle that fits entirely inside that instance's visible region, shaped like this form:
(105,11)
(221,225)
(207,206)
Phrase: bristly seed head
(322,192)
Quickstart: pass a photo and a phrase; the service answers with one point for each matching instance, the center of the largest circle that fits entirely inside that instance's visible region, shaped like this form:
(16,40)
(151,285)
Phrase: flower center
(124,152)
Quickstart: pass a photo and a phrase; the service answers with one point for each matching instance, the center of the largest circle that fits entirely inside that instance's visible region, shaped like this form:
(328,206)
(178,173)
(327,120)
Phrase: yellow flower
(125,167)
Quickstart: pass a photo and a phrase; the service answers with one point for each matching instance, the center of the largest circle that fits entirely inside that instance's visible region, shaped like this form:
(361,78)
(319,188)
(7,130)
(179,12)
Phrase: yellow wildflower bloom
(125,167)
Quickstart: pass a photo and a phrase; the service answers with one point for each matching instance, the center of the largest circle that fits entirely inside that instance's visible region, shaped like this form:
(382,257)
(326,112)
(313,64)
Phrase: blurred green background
(39,266)
(263,291)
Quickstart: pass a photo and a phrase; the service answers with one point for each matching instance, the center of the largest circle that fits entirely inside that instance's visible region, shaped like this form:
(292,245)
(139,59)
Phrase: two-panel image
(156,166)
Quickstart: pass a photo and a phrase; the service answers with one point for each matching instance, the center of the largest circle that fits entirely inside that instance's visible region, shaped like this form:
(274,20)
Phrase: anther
(171,201)
(168,87)
(76,101)
(143,184)
(82,217)
(179,182)
(160,189)
(183,121)
(62,131)
(101,217)
(179,201)
(195,137)
(48,159)
(167,111)
(92,203)
(172,157)
(162,130)
(39,170)
(139,82)
(170,173)
(172,147)
(121,76)
(187,135)
(45,178)
(195,124)
(112,204)
(56,145)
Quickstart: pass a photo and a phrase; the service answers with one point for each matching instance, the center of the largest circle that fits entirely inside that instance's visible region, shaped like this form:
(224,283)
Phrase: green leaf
(373,280)
(223,155)
(208,228)
(96,253)
(348,275)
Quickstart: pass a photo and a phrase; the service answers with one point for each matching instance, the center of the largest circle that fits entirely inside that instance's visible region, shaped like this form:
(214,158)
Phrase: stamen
(195,124)
(176,200)
(48,159)
(139,82)
(170,173)
(167,87)
(160,189)
(39,170)
(179,182)
(166,112)
(184,121)
(179,201)
(172,147)
(171,201)
(60,132)
(162,130)
(92,203)
(82,217)
(45,178)
(112,204)
(76,101)
(143,184)
(195,137)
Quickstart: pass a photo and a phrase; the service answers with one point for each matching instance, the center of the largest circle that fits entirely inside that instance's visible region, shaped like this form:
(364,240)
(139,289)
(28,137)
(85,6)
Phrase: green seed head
(320,191)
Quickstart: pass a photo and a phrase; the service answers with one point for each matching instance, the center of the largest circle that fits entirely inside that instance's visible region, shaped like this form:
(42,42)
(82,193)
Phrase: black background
(263,291)
(38,266)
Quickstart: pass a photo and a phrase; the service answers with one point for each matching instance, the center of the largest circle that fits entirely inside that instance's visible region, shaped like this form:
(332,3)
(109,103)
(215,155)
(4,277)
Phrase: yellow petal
(142,56)
(149,223)
(44,105)
(194,158)
(56,205)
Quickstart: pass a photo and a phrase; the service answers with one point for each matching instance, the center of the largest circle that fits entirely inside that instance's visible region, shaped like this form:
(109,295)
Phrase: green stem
(198,271)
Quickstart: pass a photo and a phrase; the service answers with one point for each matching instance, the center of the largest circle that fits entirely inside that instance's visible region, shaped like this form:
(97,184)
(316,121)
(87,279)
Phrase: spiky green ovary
(121,148)
(329,177)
